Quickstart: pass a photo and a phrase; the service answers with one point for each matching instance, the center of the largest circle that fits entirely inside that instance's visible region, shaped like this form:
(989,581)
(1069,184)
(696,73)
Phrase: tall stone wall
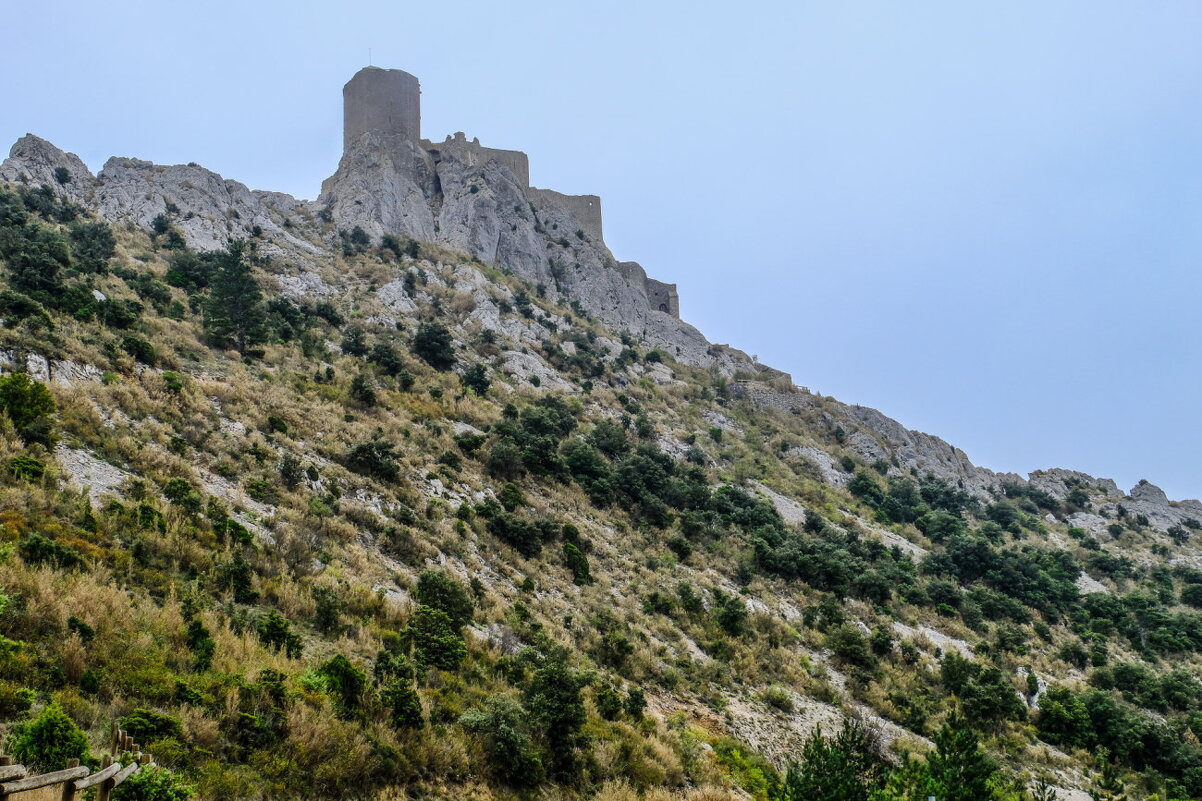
(585,208)
(663,297)
(384,103)
(473,153)
(660,296)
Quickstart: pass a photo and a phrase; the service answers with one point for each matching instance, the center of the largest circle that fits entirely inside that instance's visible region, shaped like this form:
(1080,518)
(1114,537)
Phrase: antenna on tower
(369,57)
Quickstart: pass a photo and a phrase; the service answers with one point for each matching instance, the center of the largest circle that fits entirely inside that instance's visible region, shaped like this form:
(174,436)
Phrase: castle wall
(473,153)
(385,103)
(663,297)
(585,208)
(660,296)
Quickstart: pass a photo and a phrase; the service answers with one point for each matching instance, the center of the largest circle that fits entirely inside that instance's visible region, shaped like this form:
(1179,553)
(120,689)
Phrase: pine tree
(235,314)
(841,768)
(959,768)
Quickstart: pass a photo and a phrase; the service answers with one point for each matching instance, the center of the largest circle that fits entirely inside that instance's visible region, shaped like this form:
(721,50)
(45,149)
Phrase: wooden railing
(66,785)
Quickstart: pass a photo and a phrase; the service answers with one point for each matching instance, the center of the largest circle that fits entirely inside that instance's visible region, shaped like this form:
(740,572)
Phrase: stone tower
(384,103)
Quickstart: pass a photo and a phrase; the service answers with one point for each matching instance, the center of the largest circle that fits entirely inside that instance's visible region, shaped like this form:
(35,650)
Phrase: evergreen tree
(841,768)
(959,769)
(235,314)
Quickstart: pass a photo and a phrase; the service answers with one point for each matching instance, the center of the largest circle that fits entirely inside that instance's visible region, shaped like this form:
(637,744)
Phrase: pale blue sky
(984,219)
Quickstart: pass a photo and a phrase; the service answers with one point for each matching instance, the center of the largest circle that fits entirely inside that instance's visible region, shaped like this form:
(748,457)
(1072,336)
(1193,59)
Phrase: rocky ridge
(482,209)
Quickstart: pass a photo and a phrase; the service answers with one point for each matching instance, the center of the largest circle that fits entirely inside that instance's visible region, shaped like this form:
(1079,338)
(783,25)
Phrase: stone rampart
(472,153)
(585,208)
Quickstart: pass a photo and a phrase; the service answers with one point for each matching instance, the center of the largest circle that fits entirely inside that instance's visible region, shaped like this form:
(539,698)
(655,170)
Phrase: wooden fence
(66,785)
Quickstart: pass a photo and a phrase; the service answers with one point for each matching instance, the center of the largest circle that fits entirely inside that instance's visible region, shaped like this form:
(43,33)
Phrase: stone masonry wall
(473,153)
(384,103)
(585,208)
(663,297)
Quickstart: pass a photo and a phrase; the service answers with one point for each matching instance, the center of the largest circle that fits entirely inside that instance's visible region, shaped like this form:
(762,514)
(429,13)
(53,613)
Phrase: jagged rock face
(379,195)
(485,213)
(33,161)
(208,209)
(484,210)
(212,210)
(1058,483)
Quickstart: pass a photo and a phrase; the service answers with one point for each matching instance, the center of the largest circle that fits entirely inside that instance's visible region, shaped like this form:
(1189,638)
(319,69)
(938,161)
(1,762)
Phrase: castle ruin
(385,104)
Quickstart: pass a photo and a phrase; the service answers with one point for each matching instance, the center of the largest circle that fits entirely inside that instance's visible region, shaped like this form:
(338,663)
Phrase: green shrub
(145,725)
(346,683)
(38,550)
(577,563)
(505,728)
(235,315)
(403,705)
(29,405)
(140,348)
(432,344)
(48,741)
(153,784)
(476,379)
(375,459)
(26,468)
(436,640)
(440,591)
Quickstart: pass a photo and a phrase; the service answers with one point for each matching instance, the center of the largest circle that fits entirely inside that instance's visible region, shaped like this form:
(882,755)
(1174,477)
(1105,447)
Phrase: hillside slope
(365,516)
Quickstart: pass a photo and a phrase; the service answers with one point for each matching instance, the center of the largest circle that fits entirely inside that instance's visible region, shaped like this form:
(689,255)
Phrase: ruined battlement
(472,153)
(585,208)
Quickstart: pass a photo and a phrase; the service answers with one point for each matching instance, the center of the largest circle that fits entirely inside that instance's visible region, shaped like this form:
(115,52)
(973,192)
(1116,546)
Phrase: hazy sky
(984,219)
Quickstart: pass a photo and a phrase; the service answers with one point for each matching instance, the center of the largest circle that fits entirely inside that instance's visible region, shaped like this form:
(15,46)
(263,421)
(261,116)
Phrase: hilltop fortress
(457,193)
(382,134)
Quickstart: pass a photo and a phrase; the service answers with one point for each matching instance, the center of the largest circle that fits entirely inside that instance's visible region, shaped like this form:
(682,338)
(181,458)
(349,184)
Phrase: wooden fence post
(69,786)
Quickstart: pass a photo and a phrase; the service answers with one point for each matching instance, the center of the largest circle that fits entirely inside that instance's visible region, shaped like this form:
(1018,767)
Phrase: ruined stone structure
(473,153)
(382,115)
(660,296)
(585,208)
(385,104)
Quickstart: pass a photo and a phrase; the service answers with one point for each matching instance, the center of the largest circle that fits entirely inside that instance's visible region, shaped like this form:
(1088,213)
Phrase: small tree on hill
(28,404)
(235,314)
(432,344)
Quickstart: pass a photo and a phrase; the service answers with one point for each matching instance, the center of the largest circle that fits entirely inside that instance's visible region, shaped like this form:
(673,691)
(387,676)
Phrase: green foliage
(29,405)
(845,767)
(235,315)
(276,632)
(26,468)
(476,379)
(440,591)
(577,563)
(432,344)
(47,742)
(146,725)
(181,493)
(505,729)
(38,550)
(201,644)
(436,639)
(376,459)
(153,784)
(92,246)
(346,684)
(403,705)
(608,702)
(236,575)
(555,703)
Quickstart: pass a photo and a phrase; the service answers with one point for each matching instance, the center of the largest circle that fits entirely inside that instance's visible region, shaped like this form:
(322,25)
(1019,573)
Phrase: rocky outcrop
(35,162)
(374,191)
(207,209)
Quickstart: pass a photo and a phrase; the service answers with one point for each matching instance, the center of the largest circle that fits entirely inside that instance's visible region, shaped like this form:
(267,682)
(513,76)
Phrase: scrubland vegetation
(341,555)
